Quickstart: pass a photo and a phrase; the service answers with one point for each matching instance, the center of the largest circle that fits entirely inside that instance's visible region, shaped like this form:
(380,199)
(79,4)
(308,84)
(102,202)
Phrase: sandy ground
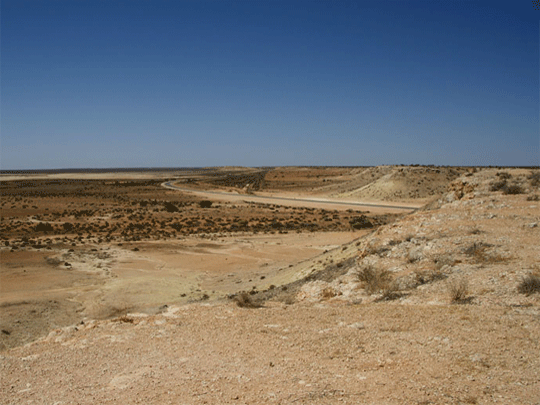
(113,246)
(315,354)
(324,334)
(39,294)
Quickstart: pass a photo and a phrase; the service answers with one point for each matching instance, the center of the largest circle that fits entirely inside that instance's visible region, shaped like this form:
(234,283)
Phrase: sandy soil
(326,333)
(78,249)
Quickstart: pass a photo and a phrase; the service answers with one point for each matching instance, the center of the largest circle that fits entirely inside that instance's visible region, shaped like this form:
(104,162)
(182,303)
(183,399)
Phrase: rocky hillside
(481,235)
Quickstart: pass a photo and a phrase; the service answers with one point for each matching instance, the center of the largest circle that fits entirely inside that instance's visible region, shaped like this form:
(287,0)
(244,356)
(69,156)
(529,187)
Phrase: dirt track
(323,203)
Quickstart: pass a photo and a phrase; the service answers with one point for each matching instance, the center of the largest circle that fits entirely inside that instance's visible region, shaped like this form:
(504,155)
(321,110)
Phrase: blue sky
(98,84)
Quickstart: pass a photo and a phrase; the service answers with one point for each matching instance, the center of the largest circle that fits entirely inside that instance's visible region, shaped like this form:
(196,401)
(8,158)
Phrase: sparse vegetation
(53,261)
(533,197)
(459,291)
(429,276)
(479,253)
(170,207)
(446,254)
(360,222)
(504,175)
(497,185)
(124,319)
(530,284)
(445,260)
(328,293)
(534,177)
(244,300)
(44,227)
(374,280)
(391,291)
(513,189)
(476,249)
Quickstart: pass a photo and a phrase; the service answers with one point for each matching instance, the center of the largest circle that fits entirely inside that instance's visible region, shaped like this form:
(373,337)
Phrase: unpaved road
(304,202)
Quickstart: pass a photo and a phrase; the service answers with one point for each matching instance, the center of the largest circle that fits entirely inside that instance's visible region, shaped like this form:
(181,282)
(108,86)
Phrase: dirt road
(297,201)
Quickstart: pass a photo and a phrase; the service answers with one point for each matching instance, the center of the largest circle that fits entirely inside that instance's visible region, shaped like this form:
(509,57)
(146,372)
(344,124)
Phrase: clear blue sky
(97,84)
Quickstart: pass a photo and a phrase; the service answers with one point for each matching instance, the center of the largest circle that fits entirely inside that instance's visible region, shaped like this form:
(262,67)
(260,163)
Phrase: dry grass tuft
(328,293)
(391,292)
(244,300)
(375,280)
(479,253)
(534,177)
(497,185)
(530,284)
(513,189)
(459,291)
(124,319)
(429,276)
(53,261)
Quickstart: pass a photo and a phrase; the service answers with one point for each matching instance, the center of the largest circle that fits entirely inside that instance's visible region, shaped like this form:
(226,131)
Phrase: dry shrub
(534,177)
(497,185)
(53,261)
(533,197)
(328,293)
(530,284)
(504,175)
(459,291)
(124,319)
(478,251)
(391,291)
(445,260)
(102,310)
(374,280)
(244,300)
(373,250)
(205,203)
(429,276)
(513,189)
(289,300)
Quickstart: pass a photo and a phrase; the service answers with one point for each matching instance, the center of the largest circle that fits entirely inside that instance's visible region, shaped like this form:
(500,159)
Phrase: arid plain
(390,284)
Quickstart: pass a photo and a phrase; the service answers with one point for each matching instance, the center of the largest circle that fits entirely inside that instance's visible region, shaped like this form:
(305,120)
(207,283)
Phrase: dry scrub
(459,291)
(374,280)
(530,284)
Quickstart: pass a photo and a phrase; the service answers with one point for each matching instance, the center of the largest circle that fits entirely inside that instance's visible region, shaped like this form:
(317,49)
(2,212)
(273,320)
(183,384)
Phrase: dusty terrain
(78,246)
(423,308)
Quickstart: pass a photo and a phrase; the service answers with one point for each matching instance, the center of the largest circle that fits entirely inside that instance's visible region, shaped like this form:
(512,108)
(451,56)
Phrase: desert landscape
(309,285)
